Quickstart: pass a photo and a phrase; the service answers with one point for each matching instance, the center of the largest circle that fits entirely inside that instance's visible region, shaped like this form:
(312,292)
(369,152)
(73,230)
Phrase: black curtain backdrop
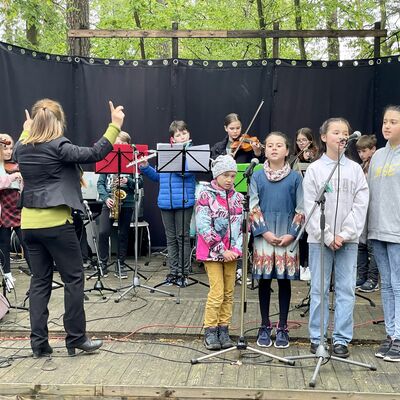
(155,92)
(309,96)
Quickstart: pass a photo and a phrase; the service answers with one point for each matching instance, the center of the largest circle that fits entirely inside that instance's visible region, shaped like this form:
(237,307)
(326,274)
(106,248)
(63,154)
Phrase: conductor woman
(49,166)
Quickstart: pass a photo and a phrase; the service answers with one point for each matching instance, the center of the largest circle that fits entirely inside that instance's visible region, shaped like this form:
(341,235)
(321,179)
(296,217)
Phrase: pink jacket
(218,222)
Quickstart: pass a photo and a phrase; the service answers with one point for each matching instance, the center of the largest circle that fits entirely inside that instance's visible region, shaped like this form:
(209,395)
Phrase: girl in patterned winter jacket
(219,245)
(10,215)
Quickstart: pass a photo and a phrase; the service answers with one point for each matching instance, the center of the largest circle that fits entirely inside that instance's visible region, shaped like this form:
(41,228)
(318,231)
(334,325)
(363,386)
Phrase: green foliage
(46,16)
(49,19)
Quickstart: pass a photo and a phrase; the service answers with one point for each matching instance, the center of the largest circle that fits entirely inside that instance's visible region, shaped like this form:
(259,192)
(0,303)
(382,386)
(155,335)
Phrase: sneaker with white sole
(122,274)
(369,286)
(393,355)
(282,337)
(360,282)
(384,347)
(264,336)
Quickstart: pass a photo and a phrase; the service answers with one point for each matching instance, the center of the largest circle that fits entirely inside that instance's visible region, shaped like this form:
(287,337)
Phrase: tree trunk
(165,50)
(261,22)
(32,34)
(139,25)
(385,47)
(333,43)
(299,27)
(78,18)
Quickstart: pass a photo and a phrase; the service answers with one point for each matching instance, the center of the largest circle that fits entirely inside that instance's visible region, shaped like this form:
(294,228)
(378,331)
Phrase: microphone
(250,168)
(134,148)
(354,136)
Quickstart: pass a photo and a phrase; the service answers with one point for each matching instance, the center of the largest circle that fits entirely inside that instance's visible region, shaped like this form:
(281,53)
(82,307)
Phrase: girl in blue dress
(276,204)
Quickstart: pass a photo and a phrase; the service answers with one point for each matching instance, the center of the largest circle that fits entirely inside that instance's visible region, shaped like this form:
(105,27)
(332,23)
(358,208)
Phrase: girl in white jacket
(345,210)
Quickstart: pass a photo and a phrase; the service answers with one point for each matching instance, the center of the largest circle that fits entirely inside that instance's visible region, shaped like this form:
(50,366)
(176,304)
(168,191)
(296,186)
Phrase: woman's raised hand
(28,121)
(117,114)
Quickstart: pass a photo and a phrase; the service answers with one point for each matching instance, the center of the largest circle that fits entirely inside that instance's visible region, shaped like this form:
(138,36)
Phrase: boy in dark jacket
(175,204)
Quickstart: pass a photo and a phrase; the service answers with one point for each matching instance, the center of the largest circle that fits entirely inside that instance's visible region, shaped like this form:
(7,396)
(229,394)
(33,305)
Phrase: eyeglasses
(302,141)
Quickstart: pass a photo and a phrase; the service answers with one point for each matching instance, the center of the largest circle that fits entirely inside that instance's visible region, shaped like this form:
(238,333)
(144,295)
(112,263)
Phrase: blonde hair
(124,137)
(6,137)
(48,122)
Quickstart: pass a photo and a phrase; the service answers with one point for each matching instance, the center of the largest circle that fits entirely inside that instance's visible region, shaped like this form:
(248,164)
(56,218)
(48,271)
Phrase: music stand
(136,280)
(98,285)
(115,163)
(179,158)
(6,289)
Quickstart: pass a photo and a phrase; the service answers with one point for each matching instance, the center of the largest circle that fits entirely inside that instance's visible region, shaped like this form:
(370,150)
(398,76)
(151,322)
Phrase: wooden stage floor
(150,341)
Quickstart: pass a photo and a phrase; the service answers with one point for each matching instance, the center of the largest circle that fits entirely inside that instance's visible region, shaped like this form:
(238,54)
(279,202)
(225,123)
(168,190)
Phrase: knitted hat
(223,164)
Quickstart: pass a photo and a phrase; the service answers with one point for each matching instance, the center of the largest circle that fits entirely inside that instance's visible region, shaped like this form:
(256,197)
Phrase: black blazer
(51,172)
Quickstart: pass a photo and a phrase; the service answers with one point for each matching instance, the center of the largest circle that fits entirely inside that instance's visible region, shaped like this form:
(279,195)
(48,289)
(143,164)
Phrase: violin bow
(233,154)
(292,162)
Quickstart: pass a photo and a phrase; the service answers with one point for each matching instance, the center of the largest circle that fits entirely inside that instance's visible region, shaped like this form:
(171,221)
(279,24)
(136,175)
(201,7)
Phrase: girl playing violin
(233,128)
(305,150)
(10,217)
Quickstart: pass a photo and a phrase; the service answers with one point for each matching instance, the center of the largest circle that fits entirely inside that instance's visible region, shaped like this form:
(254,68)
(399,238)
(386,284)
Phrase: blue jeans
(344,285)
(387,256)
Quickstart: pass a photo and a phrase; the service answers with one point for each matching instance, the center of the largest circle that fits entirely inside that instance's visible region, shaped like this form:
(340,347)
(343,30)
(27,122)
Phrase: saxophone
(117,195)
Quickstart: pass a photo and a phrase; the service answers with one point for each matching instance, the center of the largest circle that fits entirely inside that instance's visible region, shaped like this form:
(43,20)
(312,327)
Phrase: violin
(11,167)
(245,143)
(300,155)
(246,140)
(5,142)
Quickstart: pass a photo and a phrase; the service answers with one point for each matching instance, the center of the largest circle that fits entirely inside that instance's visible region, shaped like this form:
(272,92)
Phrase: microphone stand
(241,344)
(98,285)
(7,288)
(136,276)
(321,353)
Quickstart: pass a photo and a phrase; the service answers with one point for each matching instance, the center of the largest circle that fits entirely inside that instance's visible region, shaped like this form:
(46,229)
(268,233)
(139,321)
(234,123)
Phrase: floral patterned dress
(275,206)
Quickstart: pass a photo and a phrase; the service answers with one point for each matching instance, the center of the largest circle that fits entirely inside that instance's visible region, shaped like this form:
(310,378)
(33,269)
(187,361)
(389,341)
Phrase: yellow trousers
(221,276)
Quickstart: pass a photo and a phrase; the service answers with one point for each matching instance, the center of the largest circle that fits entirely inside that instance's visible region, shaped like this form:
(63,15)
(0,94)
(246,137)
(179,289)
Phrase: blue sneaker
(282,338)
(170,279)
(181,281)
(360,282)
(264,336)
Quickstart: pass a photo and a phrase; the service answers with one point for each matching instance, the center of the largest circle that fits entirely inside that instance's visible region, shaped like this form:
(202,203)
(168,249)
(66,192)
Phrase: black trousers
(105,225)
(46,246)
(366,264)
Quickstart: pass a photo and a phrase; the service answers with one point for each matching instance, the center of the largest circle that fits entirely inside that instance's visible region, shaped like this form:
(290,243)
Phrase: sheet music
(198,158)
(170,157)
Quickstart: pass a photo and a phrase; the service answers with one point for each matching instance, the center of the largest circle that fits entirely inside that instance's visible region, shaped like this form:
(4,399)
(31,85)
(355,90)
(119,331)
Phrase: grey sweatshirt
(384,185)
(351,207)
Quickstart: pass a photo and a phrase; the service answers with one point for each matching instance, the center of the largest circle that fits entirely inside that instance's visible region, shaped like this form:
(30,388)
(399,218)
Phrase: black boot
(87,346)
(44,350)
(211,341)
(224,338)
